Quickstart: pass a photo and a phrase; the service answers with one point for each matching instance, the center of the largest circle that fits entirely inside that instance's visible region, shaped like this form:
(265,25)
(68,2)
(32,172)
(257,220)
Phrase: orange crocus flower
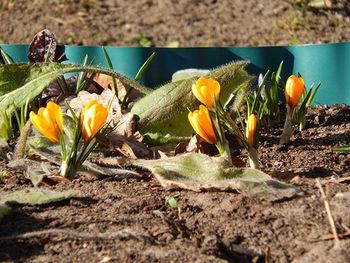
(205,90)
(48,121)
(251,129)
(294,90)
(93,117)
(202,124)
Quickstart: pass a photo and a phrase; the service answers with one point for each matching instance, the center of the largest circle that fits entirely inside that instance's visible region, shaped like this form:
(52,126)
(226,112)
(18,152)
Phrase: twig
(123,234)
(330,237)
(329,214)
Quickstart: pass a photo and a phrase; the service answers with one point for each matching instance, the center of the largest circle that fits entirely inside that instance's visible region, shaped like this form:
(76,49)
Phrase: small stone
(278,224)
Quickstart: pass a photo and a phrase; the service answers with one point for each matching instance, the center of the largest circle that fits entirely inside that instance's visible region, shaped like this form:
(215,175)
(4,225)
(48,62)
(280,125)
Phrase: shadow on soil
(19,222)
(19,249)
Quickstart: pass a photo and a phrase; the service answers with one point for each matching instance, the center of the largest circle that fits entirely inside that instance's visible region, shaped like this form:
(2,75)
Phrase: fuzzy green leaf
(36,196)
(198,172)
(22,82)
(171,201)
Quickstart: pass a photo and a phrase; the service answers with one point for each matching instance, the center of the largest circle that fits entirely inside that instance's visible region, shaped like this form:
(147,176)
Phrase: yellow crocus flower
(93,117)
(205,90)
(202,124)
(48,121)
(251,129)
(294,90)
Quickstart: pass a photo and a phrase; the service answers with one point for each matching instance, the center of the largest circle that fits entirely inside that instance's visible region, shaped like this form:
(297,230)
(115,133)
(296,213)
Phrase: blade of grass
(7,59)
(110,65)
(139,75)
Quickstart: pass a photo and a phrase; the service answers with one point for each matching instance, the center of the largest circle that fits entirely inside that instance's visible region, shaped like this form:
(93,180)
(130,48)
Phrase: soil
(188,22)
(128,220)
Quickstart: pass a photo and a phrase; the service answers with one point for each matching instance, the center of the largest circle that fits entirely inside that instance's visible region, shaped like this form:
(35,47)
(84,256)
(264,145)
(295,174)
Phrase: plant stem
(288,128)
(231,125)
(22,141)
(302,124)
(224,151)
(253,157)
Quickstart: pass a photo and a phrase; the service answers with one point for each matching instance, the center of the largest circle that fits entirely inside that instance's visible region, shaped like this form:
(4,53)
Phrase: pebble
(278,223)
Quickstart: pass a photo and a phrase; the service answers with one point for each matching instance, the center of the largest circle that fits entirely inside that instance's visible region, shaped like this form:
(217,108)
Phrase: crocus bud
(202,124)
(48,121)
(294,90)
(205,90)
(93,117)
(251,129)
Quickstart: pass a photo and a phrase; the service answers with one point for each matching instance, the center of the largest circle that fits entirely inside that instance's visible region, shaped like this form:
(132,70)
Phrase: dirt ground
(128,221)
(188,22)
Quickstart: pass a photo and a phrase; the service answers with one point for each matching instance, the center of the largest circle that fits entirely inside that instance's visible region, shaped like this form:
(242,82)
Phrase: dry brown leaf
(55,179)
(196,144)
(129,147)
(162,155)
(127,126)
(107,98)
(106,82)
(126,150)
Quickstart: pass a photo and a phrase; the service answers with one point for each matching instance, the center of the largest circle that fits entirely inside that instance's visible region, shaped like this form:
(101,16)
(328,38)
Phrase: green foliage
(138,76)
(36,196)
(6,58)
(6,129)
(198,172)
(264,100)
(83,81)
(300,112)
(21,83)
(171,201)
(163,113)
(341,149)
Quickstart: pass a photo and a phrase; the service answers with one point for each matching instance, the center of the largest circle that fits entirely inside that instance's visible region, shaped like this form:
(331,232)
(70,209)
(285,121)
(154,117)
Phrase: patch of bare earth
(128,221)
(191,23)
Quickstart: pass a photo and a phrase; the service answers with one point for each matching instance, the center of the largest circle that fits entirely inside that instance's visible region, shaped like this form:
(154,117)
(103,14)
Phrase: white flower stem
(288,128)
(253,157)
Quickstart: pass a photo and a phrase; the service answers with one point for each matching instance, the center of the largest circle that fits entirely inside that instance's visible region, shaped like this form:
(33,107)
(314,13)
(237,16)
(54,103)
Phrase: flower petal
(93,117)
(251,129)
(56,114)
(43,127)
(205,90)
(294,90)
(202,124)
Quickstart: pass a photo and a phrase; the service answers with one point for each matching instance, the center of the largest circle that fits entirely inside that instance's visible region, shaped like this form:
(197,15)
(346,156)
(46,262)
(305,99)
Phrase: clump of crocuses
(210,120)
(87,127)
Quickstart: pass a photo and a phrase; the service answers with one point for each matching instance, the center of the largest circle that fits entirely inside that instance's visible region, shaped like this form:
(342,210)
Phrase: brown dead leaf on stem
(106,82)
(196,144)
(129,147)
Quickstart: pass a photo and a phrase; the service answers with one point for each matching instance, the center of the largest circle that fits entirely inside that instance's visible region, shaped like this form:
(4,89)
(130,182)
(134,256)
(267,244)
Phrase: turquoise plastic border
(325,63)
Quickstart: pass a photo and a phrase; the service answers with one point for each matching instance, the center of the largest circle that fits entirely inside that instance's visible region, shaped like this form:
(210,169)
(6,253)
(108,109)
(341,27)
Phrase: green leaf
(163,113)
(36,196)
(341,149)
(198,172)
(144,66)
(22,82)
(7,59)
(69,126)
(45,149)
(171,201)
